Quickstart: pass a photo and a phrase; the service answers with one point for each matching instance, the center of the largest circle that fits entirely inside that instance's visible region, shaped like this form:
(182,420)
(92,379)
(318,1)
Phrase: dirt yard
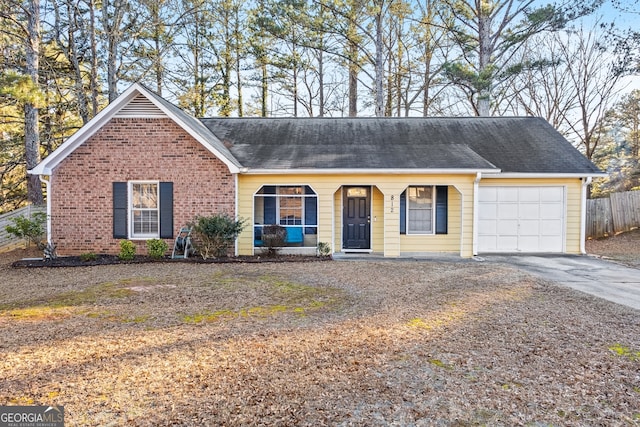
(624,248)
(320,343)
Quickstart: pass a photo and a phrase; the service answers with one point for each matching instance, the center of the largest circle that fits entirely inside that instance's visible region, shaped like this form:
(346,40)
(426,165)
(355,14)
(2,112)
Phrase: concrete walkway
(604,279)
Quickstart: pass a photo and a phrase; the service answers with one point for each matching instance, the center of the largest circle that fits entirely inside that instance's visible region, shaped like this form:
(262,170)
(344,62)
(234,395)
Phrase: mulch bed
(76,261)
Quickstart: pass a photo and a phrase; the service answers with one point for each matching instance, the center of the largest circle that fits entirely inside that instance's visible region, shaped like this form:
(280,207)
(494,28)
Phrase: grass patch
(62,305)
(208,317)
(90,295)
(258,311)
(624,351)
(419,323)
(440,364)
(286,297)
(38,313)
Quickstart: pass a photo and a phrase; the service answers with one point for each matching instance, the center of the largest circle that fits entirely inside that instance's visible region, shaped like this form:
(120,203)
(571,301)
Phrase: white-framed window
(144,209)
(290,205)
(420,209)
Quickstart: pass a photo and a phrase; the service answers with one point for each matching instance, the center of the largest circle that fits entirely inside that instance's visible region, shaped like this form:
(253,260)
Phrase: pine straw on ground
(332,343)
(623,247)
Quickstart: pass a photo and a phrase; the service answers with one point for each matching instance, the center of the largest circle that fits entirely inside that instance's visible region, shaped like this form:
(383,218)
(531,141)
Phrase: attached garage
(521,218)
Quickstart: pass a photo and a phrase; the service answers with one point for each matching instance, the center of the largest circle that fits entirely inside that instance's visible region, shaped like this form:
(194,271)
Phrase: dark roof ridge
(375,118)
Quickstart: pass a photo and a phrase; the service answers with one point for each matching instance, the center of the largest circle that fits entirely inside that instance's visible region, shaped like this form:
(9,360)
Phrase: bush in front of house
(273,237)
(324,249)
(127,250)
(156,248)
(32,229)
(213,235)
(88,256)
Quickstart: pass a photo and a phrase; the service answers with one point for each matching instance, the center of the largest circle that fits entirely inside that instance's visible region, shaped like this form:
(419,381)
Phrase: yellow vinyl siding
(385,229)
(573,194)
(385,222)
(449,242)
(377,220)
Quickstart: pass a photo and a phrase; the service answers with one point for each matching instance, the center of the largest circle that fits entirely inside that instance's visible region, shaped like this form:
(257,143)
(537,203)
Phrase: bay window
(294,207)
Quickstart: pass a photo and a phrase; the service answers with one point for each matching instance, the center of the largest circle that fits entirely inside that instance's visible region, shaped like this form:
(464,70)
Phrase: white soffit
(140,107)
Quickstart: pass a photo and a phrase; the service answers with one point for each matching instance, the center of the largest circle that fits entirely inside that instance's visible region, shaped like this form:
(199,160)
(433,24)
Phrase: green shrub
(32,229)
(213,235)
(88,256)
(324,248)
(156,248)
(127,250)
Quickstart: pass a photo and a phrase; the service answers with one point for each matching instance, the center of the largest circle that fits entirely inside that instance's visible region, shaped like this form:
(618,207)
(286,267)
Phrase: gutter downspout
(476,183)
(47,183)
(235,176)
(583,214)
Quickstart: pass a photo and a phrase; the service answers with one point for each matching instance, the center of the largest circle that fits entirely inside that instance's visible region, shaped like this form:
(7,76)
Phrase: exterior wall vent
(140,107)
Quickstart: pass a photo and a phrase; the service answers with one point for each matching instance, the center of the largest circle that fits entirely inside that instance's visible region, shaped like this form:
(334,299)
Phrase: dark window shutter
(270,210)
(403,212)
(120,210)
(442,201)
(311,211)
(166,210)
(310,214)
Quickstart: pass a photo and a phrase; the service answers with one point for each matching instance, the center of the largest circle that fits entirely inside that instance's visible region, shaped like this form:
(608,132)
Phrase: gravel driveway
(318,343)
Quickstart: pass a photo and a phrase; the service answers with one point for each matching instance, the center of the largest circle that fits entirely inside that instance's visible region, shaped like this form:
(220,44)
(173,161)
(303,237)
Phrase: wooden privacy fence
(8,241)
(615,214)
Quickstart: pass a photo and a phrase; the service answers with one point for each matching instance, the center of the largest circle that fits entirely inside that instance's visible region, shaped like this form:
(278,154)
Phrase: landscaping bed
(76,261)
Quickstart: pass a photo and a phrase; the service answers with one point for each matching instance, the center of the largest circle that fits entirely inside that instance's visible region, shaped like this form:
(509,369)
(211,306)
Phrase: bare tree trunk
(113,32)
(264,87)
(238,68)
(157,44)
(31,128)
(484,61)
(354,68)
(388,108)
(94,59)
(379,71)
(321,81)
(72,54)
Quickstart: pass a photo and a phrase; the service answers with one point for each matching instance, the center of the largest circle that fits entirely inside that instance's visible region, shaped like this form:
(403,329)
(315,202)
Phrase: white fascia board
(248,171)
(512,175)
(46,166)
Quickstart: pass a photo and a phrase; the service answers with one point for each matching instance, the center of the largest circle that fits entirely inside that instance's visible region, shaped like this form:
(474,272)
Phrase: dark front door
(356,232)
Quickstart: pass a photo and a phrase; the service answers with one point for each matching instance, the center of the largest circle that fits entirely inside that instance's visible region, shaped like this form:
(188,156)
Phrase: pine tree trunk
(94,58)
(353,80)
(483,107)
(379,68)
(31,128)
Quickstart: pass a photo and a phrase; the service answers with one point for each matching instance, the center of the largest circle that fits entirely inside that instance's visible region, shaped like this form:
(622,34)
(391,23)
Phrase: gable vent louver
(138,107)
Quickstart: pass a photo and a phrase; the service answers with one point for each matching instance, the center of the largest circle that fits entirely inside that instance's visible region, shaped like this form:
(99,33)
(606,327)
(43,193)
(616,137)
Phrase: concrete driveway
(604,279)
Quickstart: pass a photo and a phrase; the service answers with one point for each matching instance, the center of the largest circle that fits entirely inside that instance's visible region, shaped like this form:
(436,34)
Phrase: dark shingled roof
(511,144)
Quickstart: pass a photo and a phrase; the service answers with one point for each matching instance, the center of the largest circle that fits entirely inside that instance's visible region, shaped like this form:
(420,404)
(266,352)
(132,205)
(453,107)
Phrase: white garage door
(521,219)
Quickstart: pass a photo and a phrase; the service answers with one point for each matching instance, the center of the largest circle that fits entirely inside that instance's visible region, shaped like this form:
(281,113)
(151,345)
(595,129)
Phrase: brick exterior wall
(124,150)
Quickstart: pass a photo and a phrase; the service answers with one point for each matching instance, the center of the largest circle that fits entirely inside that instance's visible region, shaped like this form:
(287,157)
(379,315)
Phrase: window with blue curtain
(294,207)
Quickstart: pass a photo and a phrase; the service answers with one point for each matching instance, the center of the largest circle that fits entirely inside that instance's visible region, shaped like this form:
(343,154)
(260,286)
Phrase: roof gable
(139,102)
